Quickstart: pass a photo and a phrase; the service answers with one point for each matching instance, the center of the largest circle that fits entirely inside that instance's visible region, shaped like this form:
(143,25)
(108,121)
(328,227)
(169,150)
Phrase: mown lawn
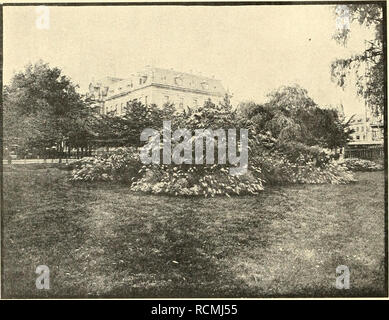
(103,240)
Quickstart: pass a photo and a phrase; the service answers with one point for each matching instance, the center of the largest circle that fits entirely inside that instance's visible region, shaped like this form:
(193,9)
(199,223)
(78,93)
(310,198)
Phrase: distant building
(366,130)
(155,86)
(367,139)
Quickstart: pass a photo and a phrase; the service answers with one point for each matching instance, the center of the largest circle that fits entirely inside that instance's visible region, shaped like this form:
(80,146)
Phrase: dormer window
(142,79)
(204,85)
(178,80)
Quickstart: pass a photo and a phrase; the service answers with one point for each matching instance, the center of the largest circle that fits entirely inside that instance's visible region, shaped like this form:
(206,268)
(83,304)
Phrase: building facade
(366,129)
(155,86)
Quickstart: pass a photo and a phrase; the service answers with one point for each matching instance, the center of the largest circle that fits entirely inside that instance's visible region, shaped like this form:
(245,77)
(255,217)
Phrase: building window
(362,129)
(357,129)
(357,137)
(166,98)
(195,102)
(146,100)
(121,108)
(181,103)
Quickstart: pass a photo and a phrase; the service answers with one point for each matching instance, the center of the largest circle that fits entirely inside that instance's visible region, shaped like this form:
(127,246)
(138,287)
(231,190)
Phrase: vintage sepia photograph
(194,150)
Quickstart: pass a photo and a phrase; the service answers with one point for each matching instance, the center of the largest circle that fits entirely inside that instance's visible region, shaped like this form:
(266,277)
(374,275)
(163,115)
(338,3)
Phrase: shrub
(277,169)
(192,180)
(121,165)
(207,180)
(332,172)
(355,164)
(297,152)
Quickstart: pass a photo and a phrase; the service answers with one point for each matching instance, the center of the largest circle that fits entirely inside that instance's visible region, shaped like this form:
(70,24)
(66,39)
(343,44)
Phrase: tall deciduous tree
(367,66)
(42,108)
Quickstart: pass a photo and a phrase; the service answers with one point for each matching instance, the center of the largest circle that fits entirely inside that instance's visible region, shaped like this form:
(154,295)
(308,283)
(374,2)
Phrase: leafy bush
(192,180)
(355,164)
(297,152)
(332,172)
(206,180)
(277,169)
(121,165)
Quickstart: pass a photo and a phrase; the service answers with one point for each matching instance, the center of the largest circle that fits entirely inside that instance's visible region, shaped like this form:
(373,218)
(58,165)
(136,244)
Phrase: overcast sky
(253,50)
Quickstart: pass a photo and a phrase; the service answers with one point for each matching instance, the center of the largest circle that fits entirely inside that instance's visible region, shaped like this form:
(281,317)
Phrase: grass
(102,240)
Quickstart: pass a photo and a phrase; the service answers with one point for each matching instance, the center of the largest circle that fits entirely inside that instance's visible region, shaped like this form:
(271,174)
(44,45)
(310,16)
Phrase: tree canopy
(290,115)
(367,66)
(42,108)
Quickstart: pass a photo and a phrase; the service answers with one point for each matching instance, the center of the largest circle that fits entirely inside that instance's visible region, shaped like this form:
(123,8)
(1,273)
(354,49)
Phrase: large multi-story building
(155,86)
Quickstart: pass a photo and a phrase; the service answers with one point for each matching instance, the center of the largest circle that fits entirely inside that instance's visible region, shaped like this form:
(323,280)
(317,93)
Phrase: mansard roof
(165,78)
(187,80)
(106,81)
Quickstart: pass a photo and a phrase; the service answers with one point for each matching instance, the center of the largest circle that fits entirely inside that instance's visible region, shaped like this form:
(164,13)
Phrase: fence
(368,153)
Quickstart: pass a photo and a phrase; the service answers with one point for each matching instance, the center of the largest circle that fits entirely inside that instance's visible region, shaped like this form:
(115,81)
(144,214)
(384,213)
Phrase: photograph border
(383,4)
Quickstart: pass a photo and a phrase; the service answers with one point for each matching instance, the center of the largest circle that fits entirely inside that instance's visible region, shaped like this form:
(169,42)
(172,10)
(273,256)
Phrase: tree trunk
(60,153)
